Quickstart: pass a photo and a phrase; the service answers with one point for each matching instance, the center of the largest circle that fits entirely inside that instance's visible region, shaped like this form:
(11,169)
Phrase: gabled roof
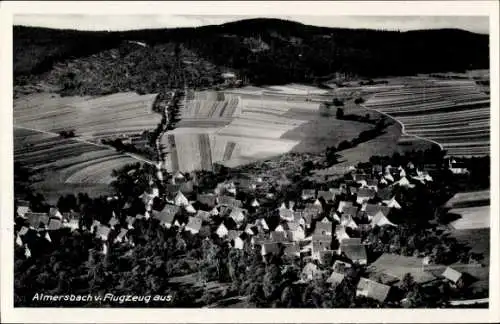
(326,195)
(203,215)
(321,238)
(323,228)
(352,241)
(308,193)
(102,232)
(341,266)
(232,234)
(194,223)
(54,224)
(335,278)
(350,210)
(278,237)
(167,214)
(380,220)
(452,274)
(372,209)
(54,212)
(354,252)
(35,219)
(207,199)
(238,214)
(372,289)
(270,248)
(229,201)
(292,249)
(344,204)
(366,192)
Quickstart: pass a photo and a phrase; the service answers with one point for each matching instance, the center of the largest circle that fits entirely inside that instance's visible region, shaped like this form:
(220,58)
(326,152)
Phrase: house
(186,187)
(314,208)
(237,240)
(259,239)
(102,232)
(232,234)
(251,230)
(340,233)
(203,215)
(334,215)
(371,184)
(279,228)
(54,224)
(130,222)
(341,267)
(190,209)
(308,194)
(323,228)
(193,225)
(261,225)
(320,243)
(286,214)
(229,201)
(121,237)
(166,215)
(372,210)
(310,272)
(380,220)
(335,279)
(404,182)
(54,212)
(392,203)
(180,200)
(23,207)
(37,220)
(355,252)
(214,212)
(238,215)
(453,276)
(328,196)
(209,200)
(292,250)
(113,221)
(222,230)
(364,194)
(326,256)
(298,217)
(294,231)
(335,192)
(371,289)
(255,203)
(348,222)
(278,237)
(269,248)
(343,204)
(351,211)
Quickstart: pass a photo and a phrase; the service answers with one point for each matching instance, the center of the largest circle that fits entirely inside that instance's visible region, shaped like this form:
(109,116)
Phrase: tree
(408,283)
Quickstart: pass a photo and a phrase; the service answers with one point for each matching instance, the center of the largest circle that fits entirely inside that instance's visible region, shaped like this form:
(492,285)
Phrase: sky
(478,24)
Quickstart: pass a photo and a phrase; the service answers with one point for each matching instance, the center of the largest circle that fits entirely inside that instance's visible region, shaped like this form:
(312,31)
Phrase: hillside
(261,51)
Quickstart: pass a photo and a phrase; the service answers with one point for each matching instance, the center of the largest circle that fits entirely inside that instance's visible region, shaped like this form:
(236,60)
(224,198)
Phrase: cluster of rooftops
(319,224)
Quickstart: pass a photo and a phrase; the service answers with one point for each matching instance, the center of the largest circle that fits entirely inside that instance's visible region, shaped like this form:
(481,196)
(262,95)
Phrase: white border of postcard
(257,8)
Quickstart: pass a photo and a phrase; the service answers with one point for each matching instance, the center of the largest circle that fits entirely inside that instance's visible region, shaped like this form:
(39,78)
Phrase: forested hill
(263,51)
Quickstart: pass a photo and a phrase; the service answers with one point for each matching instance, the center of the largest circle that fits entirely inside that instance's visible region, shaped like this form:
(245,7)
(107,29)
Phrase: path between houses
(77,139)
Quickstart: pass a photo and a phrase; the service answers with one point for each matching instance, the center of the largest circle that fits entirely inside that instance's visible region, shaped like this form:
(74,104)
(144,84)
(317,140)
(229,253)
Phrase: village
(329,231)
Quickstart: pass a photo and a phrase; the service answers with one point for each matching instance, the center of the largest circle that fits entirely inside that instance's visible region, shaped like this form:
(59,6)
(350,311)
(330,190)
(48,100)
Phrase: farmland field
(81,163)
(255,123)
(452,112)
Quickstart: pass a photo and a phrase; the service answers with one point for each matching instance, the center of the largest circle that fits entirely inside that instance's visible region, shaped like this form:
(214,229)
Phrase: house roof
(113,221)
(309,193)
(344,204)
(366,192)
(122,233)
(194,223)
(350,210)
(167,214)
(354,251)
(291,249)
(321,238)
(54,224)
(278,237)
(310,268)
(270,247)
(381,220)
(372,182)
(352,241)
(203,214)
(322,228)
(102,232)
(373,289)
(326,195)
(207,199)
(233,234)
(54,212)
(452,274)
(237,213)
(292,226)
(335,278)
(385,193)
(341,266)
(372,209)
(229,201)
(35,219)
